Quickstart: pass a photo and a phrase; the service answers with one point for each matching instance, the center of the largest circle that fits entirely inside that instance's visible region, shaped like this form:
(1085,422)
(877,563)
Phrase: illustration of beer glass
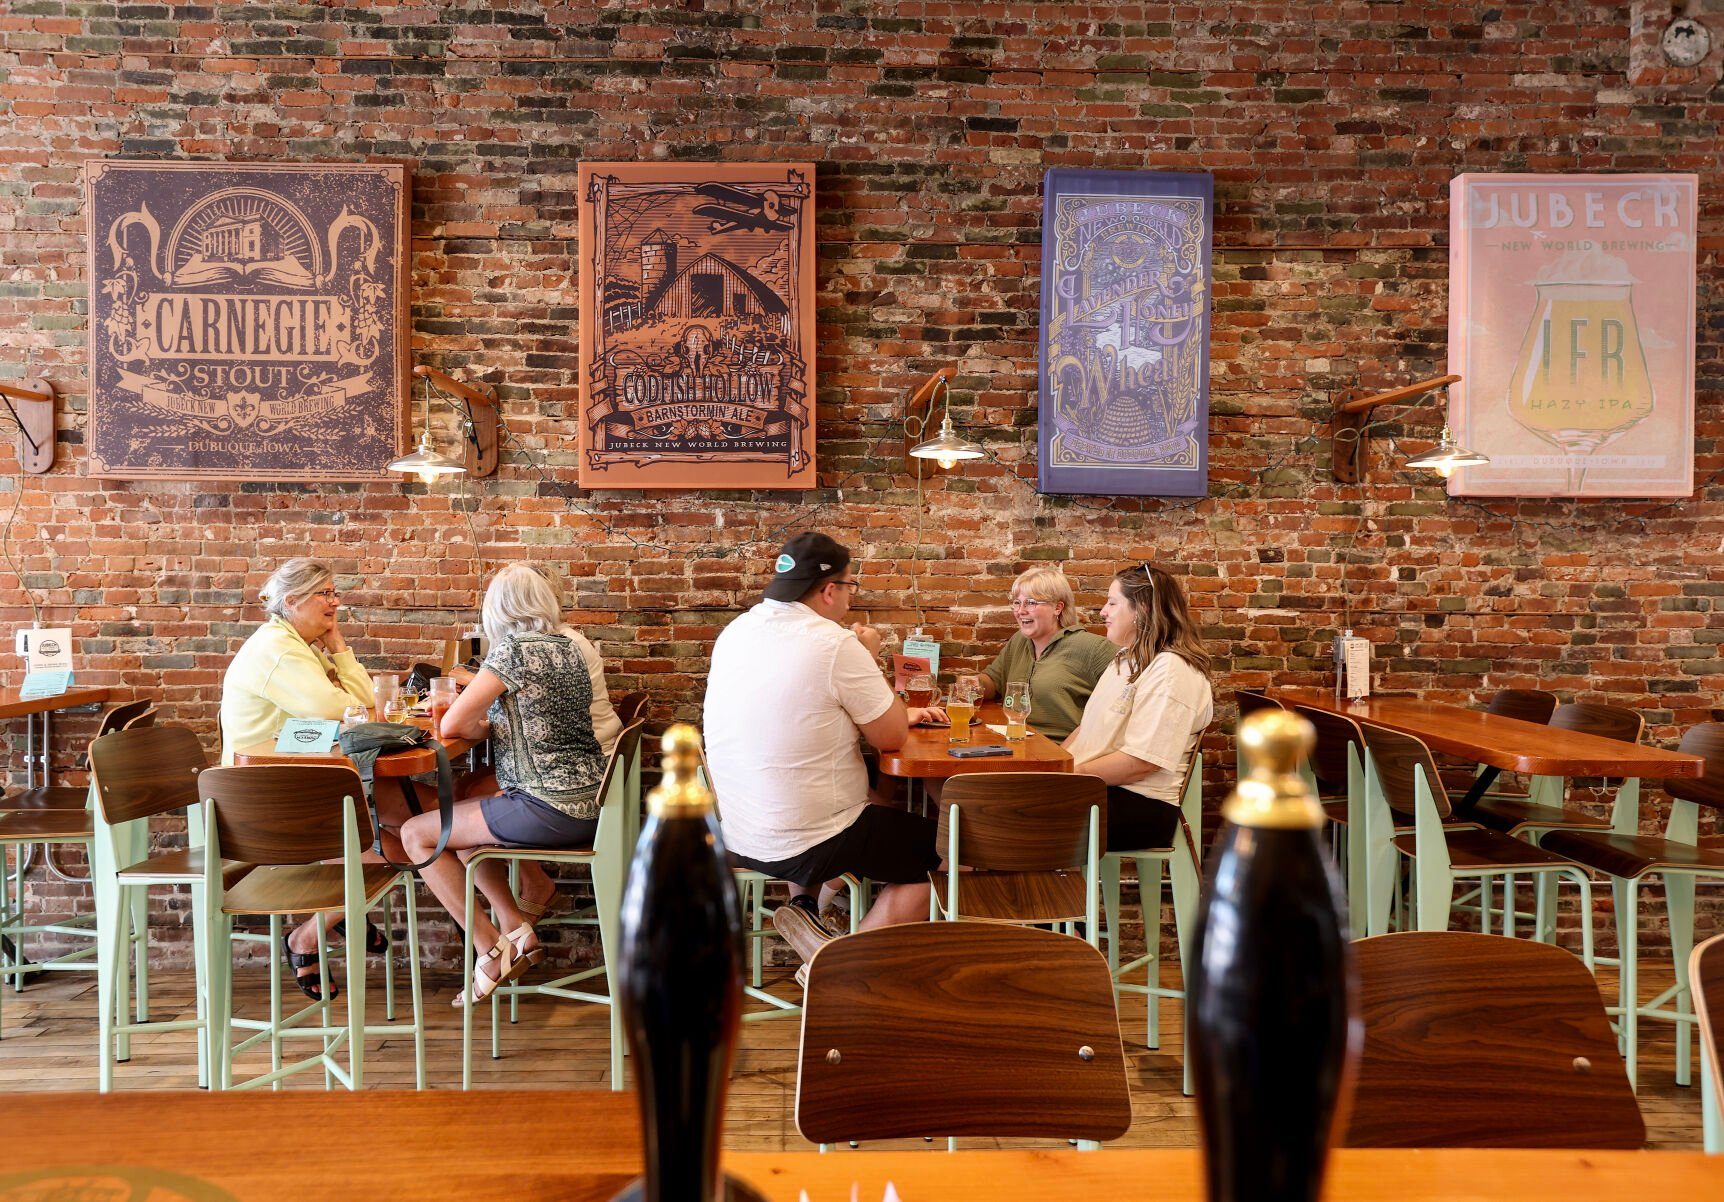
(1581,378)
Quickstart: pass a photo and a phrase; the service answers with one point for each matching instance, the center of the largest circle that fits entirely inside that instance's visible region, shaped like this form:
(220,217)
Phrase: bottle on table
(1272,1006)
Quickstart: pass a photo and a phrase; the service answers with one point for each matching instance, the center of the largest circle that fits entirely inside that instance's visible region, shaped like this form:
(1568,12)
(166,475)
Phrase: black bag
(420,678)
(364,742)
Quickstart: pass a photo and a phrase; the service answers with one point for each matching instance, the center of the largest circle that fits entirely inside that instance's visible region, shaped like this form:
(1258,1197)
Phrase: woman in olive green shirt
(1061,661)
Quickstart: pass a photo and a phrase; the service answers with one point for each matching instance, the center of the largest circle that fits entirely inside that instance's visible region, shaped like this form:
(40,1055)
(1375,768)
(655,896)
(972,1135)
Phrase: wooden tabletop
(12,707)
(1506,743)
(395,1146)
(394,764)
(924,754)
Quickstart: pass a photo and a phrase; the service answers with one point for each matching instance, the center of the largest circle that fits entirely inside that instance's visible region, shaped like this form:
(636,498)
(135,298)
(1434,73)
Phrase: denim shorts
(516,818)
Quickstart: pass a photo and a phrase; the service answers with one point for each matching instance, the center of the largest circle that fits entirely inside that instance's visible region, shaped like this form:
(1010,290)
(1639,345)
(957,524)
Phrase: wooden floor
(49,1036)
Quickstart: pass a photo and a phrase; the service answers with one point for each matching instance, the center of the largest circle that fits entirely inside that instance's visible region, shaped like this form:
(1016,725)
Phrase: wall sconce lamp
(478,408)
(947,450)
(35,422)
(1349,441)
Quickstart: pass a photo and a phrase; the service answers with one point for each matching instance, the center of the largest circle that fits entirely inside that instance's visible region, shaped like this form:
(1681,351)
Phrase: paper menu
(1356,657)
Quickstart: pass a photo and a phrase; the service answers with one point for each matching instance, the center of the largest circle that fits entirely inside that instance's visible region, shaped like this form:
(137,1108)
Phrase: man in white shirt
(791,688)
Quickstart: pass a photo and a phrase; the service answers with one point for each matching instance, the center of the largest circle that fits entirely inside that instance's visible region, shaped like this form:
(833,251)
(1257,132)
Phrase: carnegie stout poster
(1571,325)
(247,321)
(1125,333)
(697,325)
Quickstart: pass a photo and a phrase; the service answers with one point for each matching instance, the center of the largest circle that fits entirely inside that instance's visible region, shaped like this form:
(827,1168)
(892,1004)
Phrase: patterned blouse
(542,725)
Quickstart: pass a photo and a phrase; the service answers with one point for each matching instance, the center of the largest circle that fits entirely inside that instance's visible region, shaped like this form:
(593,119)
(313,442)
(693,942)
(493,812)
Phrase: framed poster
(1571,325)
(697,325)
(248,321)
(1124,366)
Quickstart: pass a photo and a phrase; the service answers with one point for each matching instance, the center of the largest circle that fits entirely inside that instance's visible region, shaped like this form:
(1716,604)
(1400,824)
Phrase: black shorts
(516,818)
(1139,823)
(883,844)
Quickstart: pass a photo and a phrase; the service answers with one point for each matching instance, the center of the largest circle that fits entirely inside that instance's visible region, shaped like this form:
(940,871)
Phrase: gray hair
(521,599)
(1048,584)
(298,577)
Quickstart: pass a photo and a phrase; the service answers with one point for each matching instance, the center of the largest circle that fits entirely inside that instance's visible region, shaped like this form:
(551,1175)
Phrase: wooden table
(398,766)
(422,1147)
(36,749)
(1502,743)
(924,754)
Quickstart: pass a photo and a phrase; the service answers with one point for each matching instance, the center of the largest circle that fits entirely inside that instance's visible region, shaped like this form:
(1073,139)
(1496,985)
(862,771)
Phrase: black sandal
(308,982)
(376,942)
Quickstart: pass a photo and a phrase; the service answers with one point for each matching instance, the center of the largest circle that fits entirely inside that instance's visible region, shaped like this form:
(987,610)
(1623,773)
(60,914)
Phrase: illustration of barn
(711,286)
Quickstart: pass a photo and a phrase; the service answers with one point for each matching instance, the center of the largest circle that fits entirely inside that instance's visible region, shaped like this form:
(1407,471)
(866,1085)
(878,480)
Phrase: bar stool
(137,774)
(1185,877)
(1624,855)
(286,820)
(18,831)
(607,860)
(1338,775)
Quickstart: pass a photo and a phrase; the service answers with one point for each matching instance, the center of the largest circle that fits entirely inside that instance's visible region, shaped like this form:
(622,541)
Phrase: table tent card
(1571,325)
(307,736)
(1124,369)
(47,660)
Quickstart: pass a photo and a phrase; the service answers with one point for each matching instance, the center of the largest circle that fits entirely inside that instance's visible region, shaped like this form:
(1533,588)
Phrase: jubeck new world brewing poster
(697,325)
(1571,325)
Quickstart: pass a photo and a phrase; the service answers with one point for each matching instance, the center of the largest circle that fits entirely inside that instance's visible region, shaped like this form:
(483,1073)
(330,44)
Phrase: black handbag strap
(445,814)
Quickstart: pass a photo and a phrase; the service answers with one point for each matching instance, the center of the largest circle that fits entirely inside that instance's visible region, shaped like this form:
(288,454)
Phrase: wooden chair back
(143,771)
(122,715)
(1250,701)
(622,755)
(960,1028)
(1482,1041)
(141,722)
(1528,705)
(283,813)
(631,706)
(1022,821)
(1395,755)
(1706,741)
(1336,734)
(1606,721)
(1706,980)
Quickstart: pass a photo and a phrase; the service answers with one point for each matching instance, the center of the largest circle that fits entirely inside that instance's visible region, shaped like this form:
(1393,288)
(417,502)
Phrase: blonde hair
(298,577)
(521,599)
(1049,584)
(1164,621)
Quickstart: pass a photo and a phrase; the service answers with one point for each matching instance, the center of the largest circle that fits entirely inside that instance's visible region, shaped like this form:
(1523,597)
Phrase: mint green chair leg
(1711,1121)
(200,970)
(140,936)
(467,976)
(111,917)
(1625,894)
(1149,901)
(756,898)
(609,869)
(1109,873)
(1679,898)
(418,999)
(388,920)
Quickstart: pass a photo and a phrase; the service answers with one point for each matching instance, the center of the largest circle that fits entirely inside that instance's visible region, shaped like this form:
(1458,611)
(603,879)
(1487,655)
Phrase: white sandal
(483,986)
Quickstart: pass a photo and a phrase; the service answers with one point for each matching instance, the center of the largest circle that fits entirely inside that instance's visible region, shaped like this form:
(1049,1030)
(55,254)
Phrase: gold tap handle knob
(683,792)
(1273,794)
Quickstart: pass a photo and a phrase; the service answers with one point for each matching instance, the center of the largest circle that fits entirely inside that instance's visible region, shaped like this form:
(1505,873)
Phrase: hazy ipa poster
(247,321)
(697,325)
(1125,333)
(1571,325)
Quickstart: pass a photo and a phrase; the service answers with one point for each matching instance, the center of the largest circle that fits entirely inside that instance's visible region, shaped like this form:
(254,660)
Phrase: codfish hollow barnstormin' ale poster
(1125,333)
(697,325)
(248,321)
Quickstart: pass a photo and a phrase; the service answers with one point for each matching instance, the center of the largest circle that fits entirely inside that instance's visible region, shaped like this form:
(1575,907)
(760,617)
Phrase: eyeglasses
(1028,603)
(326,594)
(854,584)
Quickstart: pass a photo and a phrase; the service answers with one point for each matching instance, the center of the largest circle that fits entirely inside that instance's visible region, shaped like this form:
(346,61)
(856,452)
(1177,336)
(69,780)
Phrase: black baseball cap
(803,562)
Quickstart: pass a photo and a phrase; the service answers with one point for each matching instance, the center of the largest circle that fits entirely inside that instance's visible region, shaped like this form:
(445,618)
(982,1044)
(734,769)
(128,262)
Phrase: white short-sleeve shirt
(1157,718)
(787,691)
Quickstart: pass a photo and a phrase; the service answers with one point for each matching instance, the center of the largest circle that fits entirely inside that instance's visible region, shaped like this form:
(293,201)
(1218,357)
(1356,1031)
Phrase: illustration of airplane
(737,209)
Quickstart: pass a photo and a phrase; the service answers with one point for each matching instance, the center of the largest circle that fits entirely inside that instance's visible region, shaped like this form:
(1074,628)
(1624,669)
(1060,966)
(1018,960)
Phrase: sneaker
(801,929)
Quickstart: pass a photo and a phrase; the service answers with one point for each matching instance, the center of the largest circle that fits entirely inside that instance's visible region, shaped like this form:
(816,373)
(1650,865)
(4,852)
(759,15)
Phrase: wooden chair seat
(1472,847)
(49,826)
(301,888)
(186,864)
(48,797)
(1017,896)
(1630,856)
(1506,814)
(1336,811)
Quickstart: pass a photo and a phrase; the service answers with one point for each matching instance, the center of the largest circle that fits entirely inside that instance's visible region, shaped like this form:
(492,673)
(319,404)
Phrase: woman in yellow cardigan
(297,665)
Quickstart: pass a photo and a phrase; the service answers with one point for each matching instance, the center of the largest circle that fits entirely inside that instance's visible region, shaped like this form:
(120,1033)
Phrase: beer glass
(442,697)
(1016,702)
(384,687)
(919,691)
(354,715)
(961,708)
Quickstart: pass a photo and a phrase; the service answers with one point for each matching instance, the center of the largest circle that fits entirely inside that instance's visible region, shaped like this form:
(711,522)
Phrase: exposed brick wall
(1332,140)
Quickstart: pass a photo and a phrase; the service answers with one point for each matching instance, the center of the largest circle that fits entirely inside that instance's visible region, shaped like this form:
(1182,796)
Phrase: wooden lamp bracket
(31,406)
(1350,428)
(480,423)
